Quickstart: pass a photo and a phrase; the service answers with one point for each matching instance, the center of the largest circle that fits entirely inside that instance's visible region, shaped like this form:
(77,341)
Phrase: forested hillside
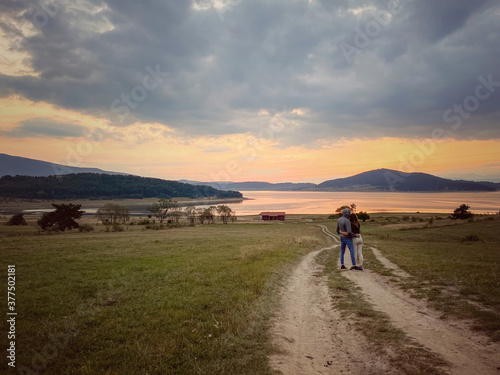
(102,186)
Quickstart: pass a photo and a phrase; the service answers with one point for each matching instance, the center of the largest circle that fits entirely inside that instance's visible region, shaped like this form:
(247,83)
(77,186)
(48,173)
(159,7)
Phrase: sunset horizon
(221,91)
(65,169)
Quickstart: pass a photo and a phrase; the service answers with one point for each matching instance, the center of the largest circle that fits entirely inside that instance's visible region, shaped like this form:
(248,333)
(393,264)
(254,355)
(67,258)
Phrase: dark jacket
(344,225)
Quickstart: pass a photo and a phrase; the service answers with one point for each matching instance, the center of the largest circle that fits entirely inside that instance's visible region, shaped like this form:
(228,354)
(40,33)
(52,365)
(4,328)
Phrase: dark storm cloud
(44,128)
(212,65)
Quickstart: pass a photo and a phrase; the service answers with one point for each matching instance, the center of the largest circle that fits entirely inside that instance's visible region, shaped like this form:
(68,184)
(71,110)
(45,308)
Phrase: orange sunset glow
(334,114)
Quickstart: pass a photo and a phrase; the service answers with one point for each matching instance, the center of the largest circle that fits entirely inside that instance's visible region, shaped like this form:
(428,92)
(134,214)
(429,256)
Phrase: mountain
(16,165)
(103,186)
(392,180)
(375,180)
(254,185)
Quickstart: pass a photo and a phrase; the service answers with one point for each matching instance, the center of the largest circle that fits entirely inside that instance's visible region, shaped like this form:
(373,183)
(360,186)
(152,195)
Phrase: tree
(207,214)
(161,208)
(17,219)
(112,213)
(62,218)
(191,213)
(352,207)
(339,210)
(176,214)
(200,215)
(462,212)
(363,216)
(224,212)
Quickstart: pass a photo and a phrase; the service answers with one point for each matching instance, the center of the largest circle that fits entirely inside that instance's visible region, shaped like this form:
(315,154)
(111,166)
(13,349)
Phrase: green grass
(192,300)
(197,300)
(460,278)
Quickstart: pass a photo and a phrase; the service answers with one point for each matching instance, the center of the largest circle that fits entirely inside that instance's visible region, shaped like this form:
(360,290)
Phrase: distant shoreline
(10,206)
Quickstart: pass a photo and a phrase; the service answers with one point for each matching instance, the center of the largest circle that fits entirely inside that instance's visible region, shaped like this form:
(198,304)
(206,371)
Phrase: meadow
(179,301)
(198,299)
(452,265)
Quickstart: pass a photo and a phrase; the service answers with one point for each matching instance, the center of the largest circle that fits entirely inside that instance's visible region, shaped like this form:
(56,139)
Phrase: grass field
(456,267)
(182,301)
(197,300)
(453,265)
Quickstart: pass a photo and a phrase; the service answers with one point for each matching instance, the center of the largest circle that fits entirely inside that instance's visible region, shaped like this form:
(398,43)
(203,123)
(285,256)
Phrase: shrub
(462,212)
(17,219)
(116,227)
(363,216)
(471,238)
(86,228)
(155,227)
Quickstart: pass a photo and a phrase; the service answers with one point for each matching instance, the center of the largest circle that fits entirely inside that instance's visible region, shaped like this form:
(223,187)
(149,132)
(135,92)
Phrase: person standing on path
(345,233)
(357,241)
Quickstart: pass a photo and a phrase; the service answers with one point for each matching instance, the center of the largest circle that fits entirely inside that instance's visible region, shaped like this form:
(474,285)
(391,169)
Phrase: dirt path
(313,337)
(315,340)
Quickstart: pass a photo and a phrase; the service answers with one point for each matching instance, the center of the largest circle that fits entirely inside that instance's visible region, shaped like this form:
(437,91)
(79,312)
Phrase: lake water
(293,202)
(327,202)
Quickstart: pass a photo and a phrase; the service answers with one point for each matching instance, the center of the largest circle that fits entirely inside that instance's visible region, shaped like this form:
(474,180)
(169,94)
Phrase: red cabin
(271,216)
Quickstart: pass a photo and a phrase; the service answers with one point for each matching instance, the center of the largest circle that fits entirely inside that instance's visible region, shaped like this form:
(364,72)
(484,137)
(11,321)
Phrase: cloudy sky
(281,90)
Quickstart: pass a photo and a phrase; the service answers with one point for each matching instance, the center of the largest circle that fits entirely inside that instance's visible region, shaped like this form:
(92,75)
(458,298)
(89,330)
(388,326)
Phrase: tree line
(103,186)
(167,210)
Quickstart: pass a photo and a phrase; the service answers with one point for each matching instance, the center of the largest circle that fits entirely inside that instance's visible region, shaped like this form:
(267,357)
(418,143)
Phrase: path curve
(311,334)
(467,352)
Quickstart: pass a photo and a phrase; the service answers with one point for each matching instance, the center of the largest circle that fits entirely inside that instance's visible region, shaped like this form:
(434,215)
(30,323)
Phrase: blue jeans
(343,242)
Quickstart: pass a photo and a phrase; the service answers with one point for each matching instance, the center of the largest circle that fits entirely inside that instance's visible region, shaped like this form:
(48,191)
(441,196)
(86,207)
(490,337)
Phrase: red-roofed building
(270,216)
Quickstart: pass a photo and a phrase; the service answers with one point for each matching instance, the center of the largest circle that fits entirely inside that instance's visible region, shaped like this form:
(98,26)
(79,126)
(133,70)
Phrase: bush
(462,213)
(155,227)
(116,227)
(471,238)
(17,219)
(86,228)
(363,216)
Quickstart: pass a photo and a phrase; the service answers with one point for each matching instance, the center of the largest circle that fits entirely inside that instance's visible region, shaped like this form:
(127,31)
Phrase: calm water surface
(327,202)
